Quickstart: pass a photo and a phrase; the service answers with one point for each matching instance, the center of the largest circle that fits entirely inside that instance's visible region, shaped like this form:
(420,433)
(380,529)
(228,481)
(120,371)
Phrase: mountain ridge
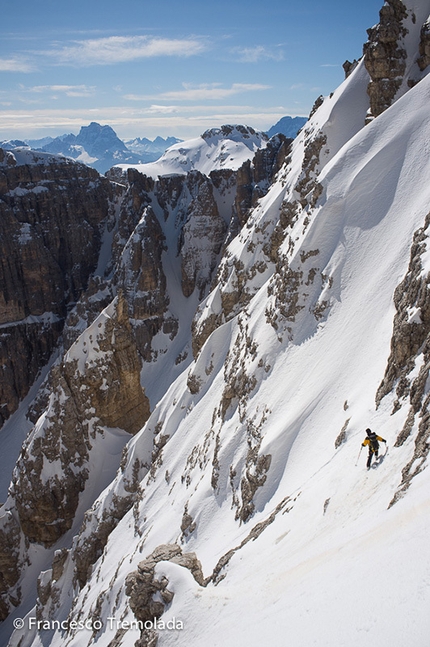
(100,147)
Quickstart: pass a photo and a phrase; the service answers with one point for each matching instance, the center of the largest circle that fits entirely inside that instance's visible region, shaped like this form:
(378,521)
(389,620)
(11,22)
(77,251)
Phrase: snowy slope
(252,455)
(21,156)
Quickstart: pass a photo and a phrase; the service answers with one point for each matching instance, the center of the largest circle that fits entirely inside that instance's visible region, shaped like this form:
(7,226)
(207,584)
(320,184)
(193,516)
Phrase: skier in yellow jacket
(372,441)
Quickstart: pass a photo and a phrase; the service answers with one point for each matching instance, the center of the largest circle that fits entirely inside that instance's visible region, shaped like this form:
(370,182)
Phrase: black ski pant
(369,460)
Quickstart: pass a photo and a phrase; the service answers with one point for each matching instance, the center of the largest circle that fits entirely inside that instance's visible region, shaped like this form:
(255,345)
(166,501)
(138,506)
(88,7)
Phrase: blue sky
(171,67)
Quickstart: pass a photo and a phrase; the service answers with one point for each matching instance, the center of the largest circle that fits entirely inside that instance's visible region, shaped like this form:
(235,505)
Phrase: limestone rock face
(410,348)
(385,56)
(424,58)
(24,348)
(349,67)
(98,383)
(412,321)
(141,277)
(254,179)
(90,545)
(96,298)
(135,199)
(148,596)
(11,545)
(137,252)
(50,231)
(202,235)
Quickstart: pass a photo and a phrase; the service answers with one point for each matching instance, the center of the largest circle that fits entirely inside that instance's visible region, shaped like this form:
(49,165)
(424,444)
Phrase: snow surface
(22,156)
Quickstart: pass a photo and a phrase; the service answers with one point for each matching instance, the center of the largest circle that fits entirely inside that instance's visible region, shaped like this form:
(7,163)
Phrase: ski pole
(356,462)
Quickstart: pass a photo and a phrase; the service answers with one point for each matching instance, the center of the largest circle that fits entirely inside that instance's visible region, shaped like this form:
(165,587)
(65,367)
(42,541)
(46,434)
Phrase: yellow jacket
(368,442)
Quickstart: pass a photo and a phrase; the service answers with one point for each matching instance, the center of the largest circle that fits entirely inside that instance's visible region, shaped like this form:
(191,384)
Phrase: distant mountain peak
(98,140)
(288,126)
(100,147)
(235,132)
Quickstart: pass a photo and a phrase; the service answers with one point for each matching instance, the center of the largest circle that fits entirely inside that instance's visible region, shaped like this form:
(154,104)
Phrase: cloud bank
(121,49)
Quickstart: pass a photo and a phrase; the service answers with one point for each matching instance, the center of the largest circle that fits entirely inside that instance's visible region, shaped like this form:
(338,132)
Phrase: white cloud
(256,54)
(161,110)
(203,92)
(16,64)
(68,90)
(120,49)
(128,121)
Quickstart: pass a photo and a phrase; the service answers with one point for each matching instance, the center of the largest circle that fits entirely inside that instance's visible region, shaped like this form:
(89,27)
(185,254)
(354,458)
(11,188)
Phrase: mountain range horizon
(99,146)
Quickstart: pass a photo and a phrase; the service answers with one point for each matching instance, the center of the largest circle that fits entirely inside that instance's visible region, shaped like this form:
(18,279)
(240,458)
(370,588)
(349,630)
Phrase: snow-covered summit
(227,147)
(23,156)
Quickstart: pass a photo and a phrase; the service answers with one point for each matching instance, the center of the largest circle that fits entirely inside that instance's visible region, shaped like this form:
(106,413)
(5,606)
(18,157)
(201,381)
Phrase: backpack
(374,444)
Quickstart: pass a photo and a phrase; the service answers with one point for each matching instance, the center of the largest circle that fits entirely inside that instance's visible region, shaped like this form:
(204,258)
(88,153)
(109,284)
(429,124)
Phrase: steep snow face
(219,148)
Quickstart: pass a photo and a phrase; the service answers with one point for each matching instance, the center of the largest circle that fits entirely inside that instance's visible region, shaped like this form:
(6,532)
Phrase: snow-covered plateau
(271,318)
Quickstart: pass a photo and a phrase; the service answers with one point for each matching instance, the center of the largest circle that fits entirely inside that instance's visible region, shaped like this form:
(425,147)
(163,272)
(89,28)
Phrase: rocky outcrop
(149,596)
(142,279)
(202,235)
(96,298)
(90,545)
(307,185)
(98,383)
(252,182)
(25,347)
(349,67)
(254,178)
(410,355)
(11,548)
(50,231)
(170,196)
(424,50)
(385,56)
(135,199)
(411,326)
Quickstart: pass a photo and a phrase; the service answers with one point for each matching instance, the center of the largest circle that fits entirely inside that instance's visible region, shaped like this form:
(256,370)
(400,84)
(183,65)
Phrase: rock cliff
(51,221)
(96,387)
(393,65)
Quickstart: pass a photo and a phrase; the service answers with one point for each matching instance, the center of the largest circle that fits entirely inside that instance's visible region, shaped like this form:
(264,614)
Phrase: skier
(372,441)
